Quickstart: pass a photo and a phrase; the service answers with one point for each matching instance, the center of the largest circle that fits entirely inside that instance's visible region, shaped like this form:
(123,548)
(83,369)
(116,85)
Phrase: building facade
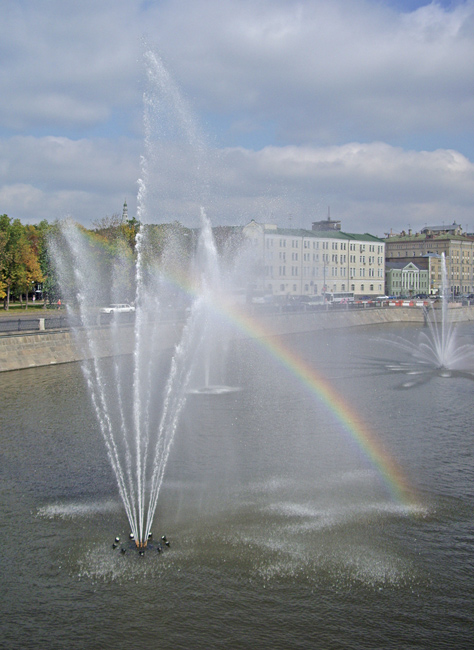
(426,249)
(406,279)
(298,262)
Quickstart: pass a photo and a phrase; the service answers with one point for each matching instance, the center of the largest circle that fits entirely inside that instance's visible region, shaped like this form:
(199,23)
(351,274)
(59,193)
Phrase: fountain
(210,354)
(137,414)
(437,352)
(137,411)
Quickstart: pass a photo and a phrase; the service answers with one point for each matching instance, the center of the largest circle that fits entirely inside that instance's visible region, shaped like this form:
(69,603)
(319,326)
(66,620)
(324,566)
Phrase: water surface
(283,534)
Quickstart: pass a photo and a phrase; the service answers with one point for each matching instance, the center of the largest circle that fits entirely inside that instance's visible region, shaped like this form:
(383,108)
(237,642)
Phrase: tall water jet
(138,398)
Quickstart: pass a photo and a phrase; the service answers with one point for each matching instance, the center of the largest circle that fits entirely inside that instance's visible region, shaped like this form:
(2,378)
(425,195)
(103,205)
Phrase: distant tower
(124,212)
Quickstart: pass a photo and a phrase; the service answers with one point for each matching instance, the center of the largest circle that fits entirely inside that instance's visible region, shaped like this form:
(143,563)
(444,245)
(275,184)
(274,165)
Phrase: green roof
(425,237)
(324,234)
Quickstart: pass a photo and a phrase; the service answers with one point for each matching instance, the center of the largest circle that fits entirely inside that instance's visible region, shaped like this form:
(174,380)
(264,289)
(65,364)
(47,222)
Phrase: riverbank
(31,350)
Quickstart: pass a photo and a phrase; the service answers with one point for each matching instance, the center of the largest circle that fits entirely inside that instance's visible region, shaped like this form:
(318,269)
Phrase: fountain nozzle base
(141,546)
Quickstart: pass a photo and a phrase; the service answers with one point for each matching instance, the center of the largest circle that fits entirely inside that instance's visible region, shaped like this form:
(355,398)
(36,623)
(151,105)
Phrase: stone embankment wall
(48,348)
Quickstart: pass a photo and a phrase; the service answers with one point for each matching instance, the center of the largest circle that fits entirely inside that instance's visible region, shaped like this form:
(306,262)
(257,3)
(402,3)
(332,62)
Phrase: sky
(280,111)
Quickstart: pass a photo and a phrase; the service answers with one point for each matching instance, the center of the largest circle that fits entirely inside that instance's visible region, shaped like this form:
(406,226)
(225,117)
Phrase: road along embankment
(65,346)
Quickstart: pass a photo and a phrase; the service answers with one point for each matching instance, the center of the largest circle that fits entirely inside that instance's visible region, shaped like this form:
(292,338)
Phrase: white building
(297,262)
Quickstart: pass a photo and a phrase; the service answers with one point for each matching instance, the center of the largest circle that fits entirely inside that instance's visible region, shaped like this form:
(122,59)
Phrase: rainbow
(391,473)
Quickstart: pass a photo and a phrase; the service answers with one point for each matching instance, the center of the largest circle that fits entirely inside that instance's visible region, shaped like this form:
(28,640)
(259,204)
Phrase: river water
(283,532)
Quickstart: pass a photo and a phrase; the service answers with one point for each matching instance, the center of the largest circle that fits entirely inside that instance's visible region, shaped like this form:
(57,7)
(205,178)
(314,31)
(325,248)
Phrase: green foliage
(19,265)
(101,263)
(51,289)
(33,254)
(114,229)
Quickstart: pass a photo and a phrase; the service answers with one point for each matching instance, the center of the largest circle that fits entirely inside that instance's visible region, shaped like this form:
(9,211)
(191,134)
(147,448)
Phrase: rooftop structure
(454,229)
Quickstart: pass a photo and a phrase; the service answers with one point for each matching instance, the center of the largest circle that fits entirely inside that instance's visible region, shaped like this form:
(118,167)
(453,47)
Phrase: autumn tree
(3,241)
(115,229)
(19,265)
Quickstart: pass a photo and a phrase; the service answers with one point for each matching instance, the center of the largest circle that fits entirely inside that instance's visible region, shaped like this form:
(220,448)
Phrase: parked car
(122,308)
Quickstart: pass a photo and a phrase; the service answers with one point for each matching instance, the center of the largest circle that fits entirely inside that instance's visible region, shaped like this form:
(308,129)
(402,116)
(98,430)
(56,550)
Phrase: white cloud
(370,184)
(53,177)
(323,71)
(324,102)
(66,63)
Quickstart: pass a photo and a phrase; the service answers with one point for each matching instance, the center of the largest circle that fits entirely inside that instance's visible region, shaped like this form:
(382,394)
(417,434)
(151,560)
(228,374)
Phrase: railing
(47,323)
(14,325)
(68,321)
(19,325)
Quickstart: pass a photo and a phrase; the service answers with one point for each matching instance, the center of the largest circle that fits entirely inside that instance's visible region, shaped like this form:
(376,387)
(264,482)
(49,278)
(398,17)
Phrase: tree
(3,284)
(30,271)
(19,265)
(114,228)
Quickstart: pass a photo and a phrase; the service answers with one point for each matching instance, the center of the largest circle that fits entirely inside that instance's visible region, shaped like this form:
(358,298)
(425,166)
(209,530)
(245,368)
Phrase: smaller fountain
(212,329)
(437,352)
